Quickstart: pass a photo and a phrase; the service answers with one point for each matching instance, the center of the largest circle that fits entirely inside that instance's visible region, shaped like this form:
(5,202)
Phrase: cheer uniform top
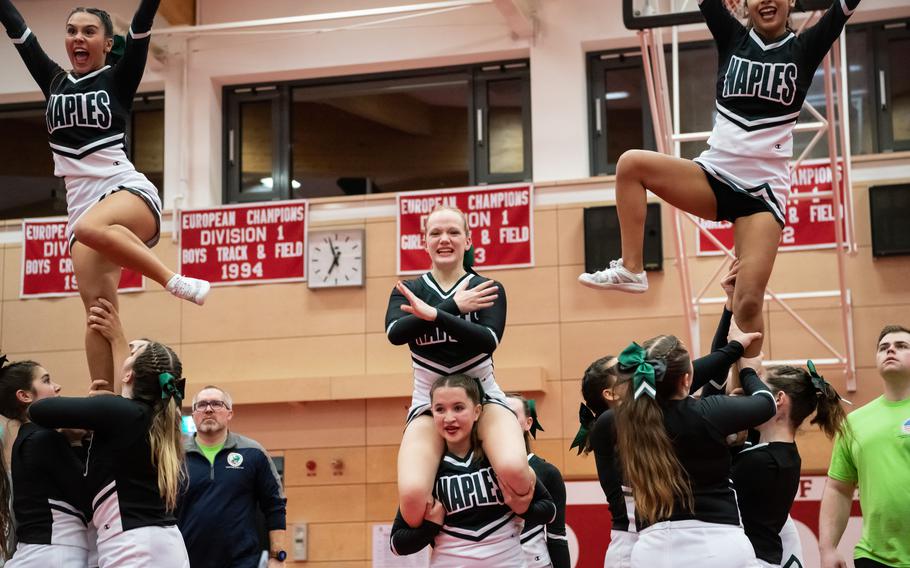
(547,544)
(454,343)
(121,479)
(479,529)
(766,477)
(761,87)
(87,117)
(49,498)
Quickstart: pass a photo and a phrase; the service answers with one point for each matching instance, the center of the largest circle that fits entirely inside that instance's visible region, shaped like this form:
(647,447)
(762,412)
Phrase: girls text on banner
(501,219)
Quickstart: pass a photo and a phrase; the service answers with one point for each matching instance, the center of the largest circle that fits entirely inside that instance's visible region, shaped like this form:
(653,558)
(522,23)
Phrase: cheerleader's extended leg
(121,227)
(418,459)
(98,277)
(757,237)
(681,183)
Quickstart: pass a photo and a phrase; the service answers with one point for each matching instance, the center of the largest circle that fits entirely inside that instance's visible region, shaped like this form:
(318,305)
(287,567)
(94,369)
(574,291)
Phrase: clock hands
(336,255)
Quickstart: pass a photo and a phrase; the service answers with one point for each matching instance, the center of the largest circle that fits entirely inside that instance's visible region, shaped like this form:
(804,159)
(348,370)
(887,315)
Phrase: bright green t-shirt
(210,451)
(875,454)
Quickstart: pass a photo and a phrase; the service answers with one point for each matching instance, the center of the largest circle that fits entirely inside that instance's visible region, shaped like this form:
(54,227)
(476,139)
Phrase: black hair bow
(586,422)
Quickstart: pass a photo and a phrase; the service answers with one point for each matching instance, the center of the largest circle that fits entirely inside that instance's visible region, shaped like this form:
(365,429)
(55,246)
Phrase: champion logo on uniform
(234,460)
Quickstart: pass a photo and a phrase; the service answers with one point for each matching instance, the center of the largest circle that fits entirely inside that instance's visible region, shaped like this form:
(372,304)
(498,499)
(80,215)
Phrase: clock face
(335,258)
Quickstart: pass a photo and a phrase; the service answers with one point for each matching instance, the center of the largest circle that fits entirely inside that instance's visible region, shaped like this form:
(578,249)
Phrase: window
(28,187)
(376,134)
(620,114)
(877,82)
(892,85)
(146,136)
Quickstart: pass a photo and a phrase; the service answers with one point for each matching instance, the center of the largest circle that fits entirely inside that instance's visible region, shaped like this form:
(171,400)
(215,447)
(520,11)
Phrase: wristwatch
(280,555)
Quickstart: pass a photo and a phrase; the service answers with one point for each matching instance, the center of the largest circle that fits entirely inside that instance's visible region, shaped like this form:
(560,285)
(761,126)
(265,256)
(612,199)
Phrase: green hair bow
(535,423)
(468,261)
(586,422)
(171,387)
(645,372)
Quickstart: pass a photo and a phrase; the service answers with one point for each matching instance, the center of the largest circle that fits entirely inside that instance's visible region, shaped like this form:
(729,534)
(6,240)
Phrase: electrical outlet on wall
(300,541)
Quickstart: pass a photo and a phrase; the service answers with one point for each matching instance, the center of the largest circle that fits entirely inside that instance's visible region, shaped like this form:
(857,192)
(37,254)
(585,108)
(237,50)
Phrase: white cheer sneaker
(615,277)
(186,288)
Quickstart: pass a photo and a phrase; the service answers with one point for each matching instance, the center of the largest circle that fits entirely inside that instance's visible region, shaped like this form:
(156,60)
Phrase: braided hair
(155,361)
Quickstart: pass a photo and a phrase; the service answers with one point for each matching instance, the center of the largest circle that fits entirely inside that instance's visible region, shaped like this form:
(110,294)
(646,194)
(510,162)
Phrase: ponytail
(155,372)
(13,377)
(599,376)
(650,464)
(809,392)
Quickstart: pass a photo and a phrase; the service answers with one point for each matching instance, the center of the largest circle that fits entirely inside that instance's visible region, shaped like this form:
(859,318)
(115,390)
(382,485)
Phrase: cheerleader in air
(50,504)
(114,212)
(544,545)
(473,520)
(452,320)
(764,73)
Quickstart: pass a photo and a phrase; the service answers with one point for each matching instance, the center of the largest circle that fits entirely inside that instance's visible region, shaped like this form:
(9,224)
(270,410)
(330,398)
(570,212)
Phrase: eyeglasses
(203,405)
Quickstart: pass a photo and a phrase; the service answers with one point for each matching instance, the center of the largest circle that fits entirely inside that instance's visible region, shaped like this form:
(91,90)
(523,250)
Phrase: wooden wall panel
(275,346)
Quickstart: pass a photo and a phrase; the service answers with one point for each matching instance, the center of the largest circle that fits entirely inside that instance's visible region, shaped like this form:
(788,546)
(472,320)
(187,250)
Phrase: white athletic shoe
(616,277)
(186,288)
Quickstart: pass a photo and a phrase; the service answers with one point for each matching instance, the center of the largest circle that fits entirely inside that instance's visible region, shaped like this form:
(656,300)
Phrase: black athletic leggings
(868,563)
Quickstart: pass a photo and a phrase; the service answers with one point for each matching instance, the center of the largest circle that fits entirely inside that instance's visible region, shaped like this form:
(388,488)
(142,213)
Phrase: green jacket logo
(234,459)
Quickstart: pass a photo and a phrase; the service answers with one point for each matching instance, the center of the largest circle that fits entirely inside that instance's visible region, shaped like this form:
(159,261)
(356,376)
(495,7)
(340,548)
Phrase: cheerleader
(544,545)
(603,390)
(49,499)
(135,460)
(114,212)
(452,320)
(684,500)
(766,475)
(764,73)
(471,522)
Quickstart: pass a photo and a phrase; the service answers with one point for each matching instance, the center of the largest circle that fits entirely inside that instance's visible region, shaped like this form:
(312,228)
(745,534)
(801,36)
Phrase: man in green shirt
(874,453)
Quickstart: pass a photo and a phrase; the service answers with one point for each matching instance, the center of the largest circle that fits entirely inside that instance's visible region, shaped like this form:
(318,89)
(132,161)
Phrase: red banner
(501,219)
(810,220)
(47,269)
(244,244)
(588,522)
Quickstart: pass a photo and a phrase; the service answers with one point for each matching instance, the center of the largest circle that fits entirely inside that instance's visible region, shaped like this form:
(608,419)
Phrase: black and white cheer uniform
(454,343)
(761,86)
(87,116)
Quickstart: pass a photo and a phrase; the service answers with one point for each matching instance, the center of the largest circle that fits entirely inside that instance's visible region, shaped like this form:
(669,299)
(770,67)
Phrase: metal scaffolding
(833,123)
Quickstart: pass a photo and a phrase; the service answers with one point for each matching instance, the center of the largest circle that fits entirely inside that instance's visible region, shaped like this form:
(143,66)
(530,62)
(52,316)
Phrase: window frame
(882,33)
(476,76)
(152,100)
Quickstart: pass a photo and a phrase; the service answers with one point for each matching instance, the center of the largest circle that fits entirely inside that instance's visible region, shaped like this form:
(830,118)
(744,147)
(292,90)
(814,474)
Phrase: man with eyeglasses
(229,477)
